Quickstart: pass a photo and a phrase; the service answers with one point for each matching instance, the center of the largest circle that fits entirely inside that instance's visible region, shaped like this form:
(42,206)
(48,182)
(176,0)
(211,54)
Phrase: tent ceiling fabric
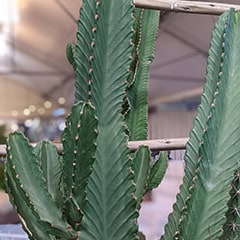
(36,58)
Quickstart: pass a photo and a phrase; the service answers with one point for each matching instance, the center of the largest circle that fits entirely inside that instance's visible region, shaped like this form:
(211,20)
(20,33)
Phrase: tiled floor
(153,215)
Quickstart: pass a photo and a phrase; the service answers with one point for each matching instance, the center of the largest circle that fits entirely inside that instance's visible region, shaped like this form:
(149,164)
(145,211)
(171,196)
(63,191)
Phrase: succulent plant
(208,203)
(95,189)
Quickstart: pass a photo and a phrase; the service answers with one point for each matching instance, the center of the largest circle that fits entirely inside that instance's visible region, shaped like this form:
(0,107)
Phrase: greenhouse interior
(119,119)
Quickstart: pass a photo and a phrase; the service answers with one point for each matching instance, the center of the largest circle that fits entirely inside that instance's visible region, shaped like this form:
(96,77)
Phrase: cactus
(191,156)
(30,189)
(95,189)
(231,226)
(206,204)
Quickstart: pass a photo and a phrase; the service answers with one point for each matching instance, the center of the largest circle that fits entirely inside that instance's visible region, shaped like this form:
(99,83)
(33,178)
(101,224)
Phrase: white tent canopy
(34,69)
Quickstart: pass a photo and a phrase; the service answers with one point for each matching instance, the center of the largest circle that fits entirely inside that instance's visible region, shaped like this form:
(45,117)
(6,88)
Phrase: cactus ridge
(94,190)
(22,162)
(49,163)
(231,228)
(144,38)
(192,149)
(141,165)
(212,106)
(84,49)
(112,206)
(78,158)
(157,171)
(208,194)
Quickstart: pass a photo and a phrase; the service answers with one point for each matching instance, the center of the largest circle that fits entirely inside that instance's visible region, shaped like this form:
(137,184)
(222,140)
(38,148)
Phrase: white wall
(170,124)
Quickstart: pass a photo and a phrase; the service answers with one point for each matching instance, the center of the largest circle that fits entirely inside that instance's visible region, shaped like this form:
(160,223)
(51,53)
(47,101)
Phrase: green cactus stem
(203,213)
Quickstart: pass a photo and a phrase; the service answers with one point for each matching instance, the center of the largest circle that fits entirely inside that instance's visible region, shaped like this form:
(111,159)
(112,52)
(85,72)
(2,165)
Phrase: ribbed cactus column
(95,189)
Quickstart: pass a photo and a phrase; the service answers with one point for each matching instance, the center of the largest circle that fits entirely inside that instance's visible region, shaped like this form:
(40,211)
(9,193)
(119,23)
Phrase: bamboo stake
(154,145)
(160,144)
(210,8)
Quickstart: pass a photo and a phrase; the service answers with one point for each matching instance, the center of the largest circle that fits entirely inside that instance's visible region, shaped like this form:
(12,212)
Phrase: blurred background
(37,82)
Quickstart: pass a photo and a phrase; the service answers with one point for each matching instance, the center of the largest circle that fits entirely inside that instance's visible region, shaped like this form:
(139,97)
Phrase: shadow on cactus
(95,189)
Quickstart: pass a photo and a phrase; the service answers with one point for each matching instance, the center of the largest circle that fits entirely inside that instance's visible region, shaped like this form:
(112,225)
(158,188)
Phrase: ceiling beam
(160,77)
(36,55)
(195,92)
(61,84)
(175,60)
(185,40)
(65,10)
(31,73)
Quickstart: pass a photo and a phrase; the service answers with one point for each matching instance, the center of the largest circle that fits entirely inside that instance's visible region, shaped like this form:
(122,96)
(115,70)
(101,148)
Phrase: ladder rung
(154,145)
(210,8)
